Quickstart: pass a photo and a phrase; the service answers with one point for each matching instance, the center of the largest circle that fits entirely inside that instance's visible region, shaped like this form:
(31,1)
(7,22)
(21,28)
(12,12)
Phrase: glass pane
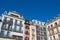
(17,28)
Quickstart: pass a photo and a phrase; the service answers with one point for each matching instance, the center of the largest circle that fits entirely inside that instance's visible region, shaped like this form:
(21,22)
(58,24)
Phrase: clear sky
(32,9)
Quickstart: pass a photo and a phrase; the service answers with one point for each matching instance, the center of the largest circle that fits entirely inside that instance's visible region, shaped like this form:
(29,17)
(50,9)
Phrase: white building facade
(53,29)
(11,26)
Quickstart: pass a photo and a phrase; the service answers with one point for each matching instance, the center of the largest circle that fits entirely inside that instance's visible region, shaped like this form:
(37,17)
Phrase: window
(54,37)
(8,33)
(44,33)
(18,22)
(50,38)
(0,20)
(6,26)
(41,38)
(3,26)
(33,38)
(33,30)
(51,26)
(55,23)
(8,18)
(59,36)
(5,18)
(5,33)
(17,28)
(27,27)
(26,38)
(48,27)
(51,32)
(10,27)
(26,33)
(22,29)
(15,21)
(2,33)
(37,27)
(41,29)
(44,29)
(38,38)
(21,23)
(11,19)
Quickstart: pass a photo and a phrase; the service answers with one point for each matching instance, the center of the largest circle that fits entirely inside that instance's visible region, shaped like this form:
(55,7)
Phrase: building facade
(11,26)
(40,30)
(27,30)
(33,32)
(53,28)
(14,27)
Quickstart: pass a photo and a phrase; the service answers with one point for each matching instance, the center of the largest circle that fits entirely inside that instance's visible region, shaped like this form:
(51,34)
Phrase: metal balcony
(8,22)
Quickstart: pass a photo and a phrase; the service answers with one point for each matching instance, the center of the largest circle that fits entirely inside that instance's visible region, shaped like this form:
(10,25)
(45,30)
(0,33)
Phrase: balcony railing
(18,31)
(8,22)
(27,27)
(54,27)
(27,35)
(4,28)
(27,23)
(19,24)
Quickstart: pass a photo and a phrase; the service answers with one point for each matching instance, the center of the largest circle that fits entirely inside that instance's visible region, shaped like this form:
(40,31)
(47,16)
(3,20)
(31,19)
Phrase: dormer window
(14,15)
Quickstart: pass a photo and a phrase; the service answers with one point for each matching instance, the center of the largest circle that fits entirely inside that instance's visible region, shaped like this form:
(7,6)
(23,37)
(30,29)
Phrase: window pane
(18,22)
(17,28)
(2,33)
(6,26)
(8,18)
(22,29)
(21,23)
(5,33)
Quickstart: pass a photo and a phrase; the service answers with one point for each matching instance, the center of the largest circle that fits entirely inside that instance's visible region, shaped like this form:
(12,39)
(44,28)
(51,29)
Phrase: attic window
(14,15)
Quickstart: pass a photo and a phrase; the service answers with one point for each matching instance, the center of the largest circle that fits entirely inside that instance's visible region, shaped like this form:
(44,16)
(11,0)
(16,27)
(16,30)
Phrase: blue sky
(32,9)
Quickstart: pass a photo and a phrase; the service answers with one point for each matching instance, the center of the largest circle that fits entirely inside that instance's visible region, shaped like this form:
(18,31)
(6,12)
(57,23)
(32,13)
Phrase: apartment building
(11,26)
(27,30)
(15,27)
(32,32)
(40,30)
(53,28)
